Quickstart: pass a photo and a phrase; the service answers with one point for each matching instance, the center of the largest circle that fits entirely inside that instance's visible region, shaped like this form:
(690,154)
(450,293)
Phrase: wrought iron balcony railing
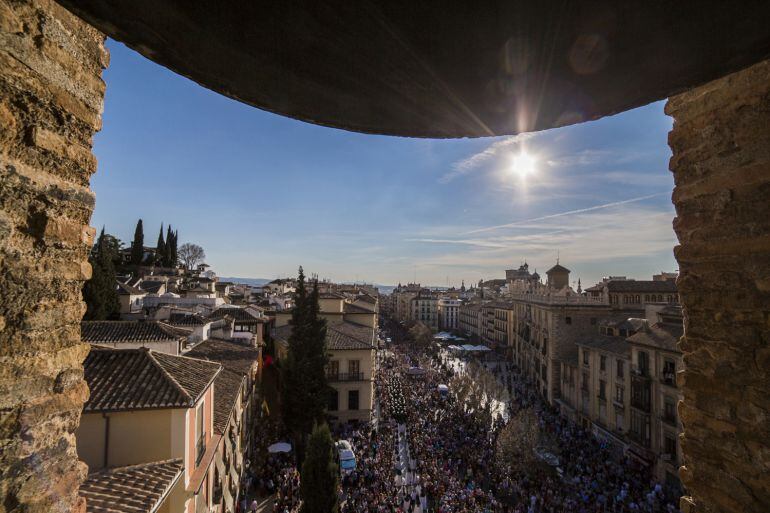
(344,376)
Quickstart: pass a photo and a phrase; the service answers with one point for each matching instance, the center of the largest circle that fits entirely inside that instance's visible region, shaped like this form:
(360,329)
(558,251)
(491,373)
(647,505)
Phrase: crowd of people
(429,452)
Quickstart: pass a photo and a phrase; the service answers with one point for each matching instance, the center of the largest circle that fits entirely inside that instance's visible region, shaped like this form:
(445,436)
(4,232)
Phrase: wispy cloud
(568,213)
(583,239)
(466,165)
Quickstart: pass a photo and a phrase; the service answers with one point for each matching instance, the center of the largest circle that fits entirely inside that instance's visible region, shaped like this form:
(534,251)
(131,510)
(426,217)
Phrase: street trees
(190,255)
(304,389)
(318,478)
(516,442)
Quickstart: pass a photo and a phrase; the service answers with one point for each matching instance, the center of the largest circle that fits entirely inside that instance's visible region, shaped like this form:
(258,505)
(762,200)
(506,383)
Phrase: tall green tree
(171,249)
(137,246)
(304,388)
(169,242)
(100,293)
(160,248)
(319,476)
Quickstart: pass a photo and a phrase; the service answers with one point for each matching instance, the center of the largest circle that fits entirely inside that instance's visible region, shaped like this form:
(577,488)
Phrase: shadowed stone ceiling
(441,68)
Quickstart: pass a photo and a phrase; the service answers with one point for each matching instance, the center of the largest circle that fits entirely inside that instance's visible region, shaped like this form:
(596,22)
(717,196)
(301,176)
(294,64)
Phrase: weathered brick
(721,164)
(51,97)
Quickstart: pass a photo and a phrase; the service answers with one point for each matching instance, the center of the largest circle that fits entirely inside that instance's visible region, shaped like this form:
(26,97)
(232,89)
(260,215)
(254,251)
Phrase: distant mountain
(254,282)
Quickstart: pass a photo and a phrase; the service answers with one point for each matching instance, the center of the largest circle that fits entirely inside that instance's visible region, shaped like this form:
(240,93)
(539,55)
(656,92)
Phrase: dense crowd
(428,452)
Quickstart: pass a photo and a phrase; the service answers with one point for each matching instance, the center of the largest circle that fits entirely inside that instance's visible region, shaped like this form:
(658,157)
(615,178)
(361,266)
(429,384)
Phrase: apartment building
(401,301)
(545,327)
(470,321)
(351,338)
(655,424)
(633,295)
(424,308)
(147,431)
(605,364)
(350,371)
(448,313)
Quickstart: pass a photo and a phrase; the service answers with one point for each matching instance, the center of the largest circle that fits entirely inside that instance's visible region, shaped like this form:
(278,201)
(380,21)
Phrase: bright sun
(523,164)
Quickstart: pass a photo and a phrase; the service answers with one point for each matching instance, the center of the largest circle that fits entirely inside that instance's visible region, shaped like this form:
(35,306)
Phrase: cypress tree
(160,248)
(100,293)
(169,241)
(319,475)
(304,390)
(174,252)
(137,246)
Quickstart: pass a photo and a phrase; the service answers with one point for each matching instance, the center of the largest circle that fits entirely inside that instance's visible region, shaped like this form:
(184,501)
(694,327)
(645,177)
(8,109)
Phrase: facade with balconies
(544,325)
(655,423)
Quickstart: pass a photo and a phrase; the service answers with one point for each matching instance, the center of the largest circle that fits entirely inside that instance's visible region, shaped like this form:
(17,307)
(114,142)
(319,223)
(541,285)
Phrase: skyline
(257,190)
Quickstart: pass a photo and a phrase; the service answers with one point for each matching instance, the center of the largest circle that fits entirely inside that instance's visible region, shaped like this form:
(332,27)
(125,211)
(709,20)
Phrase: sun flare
(523,165)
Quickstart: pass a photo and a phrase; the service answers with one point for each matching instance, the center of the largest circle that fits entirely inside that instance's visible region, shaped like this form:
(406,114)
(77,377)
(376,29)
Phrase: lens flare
(523,165)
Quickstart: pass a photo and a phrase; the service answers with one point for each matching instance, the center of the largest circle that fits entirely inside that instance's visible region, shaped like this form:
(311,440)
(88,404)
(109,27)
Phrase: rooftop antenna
(557,257)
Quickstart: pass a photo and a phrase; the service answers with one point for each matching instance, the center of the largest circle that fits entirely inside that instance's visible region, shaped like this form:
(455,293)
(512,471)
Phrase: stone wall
(51,97)
(721,165)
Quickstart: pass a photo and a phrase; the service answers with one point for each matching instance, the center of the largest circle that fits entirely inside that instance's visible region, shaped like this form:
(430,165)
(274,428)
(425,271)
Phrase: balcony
(668,379)
(640,372)
(344,376)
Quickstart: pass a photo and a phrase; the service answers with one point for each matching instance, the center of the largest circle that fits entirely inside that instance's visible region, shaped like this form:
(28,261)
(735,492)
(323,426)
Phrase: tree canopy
(304,388)
(100,292)
(191,255)
(319,476)
(137,245)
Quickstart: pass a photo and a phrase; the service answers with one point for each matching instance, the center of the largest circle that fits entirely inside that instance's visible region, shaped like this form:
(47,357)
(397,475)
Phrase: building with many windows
(351,338)
(470,319)
(633,295)
(654,423)
(147,431)
(544,328)
(424,307)
(448,313)
(350,371)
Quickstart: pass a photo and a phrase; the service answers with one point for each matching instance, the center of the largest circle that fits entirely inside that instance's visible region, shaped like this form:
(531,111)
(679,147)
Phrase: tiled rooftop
(135,379)
(237,360)
(339,336)
(131,489)
(663,335)
(241,315)
(126,331)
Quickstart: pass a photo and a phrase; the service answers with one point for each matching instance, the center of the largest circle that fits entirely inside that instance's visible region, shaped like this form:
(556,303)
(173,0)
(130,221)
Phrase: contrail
(562,214)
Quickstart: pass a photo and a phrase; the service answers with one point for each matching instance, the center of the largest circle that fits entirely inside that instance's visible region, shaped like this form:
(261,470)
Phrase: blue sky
(263,194)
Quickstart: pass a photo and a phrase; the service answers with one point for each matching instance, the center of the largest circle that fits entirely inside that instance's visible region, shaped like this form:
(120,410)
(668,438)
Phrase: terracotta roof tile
(131,489)
(181,319)
(237,360)
(339,336)
(663,335)
(353,309)
(135,379)
(126,331)
(241,315)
